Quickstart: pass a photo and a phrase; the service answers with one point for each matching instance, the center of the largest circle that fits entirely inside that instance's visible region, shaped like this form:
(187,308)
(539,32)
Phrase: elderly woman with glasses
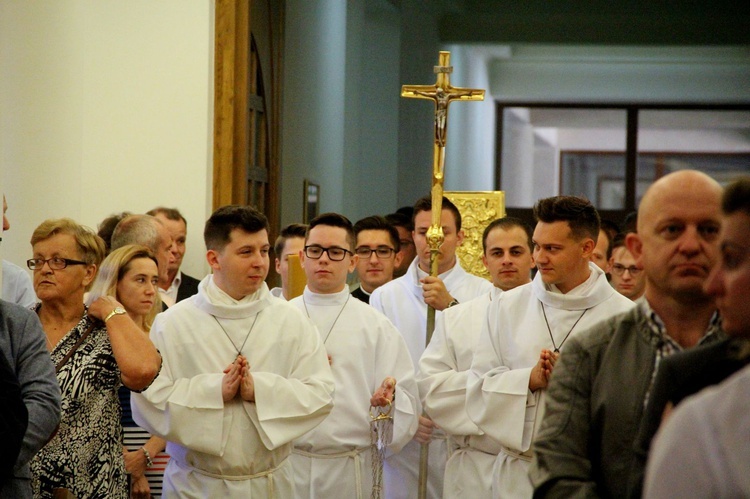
(95,349)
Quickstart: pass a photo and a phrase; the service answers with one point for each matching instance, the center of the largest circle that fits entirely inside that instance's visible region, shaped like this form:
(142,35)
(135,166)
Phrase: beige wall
(105,107)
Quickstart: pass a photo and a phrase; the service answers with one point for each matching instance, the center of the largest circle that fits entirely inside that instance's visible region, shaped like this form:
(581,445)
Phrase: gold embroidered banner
(477,209)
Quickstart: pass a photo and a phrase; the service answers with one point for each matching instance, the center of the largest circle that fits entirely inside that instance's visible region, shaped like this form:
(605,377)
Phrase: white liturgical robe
(334,459)
(442,375)
(498,399)
(402,302)
(238,448)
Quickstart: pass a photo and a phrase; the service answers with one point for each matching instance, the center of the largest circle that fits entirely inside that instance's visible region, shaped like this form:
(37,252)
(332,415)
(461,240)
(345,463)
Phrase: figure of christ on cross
(442,94)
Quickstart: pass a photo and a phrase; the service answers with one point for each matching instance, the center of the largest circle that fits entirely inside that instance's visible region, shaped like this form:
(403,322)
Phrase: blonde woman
(95,349)
(130,274)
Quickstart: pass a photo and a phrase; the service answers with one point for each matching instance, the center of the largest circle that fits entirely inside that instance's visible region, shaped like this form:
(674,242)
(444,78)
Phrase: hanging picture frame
(310,201)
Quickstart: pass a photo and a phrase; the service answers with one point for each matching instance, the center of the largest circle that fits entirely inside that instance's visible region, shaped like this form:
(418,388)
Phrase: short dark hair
(400,220)
(609,237)
(578,212)
(610,227)
(507,223)
(169,213)
(425,204)
(630,224)
(617,242)
(288,232)
(224,220)
(333,220)
(377,222)
(736,197)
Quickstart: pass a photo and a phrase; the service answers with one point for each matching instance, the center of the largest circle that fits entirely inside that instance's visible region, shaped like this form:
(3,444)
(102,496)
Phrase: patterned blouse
(85,456)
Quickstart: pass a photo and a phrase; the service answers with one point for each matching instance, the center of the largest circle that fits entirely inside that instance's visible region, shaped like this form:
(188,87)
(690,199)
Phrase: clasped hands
(238,381)
(542,371)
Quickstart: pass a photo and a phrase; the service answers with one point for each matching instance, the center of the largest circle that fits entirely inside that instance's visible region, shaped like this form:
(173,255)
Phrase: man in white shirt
(404,301)
(369,360)
(444,366)
(177,285)
(526,329)
(243,373)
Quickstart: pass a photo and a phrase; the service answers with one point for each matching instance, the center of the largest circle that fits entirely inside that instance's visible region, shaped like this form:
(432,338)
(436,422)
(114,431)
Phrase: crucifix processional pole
(442,94)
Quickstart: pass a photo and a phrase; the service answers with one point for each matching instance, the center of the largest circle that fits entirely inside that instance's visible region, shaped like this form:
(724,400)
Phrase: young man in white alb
(526,329)
(444,366)
(370,364)
(243,373)
(404,301)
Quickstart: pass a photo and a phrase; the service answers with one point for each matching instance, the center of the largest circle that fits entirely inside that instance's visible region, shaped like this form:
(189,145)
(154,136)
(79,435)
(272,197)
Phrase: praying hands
(238,380)
(542,371)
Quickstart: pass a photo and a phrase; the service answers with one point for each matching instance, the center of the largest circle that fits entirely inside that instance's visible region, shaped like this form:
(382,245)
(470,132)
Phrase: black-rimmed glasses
(335,253)
(382,252)
(620,269)
(55,263)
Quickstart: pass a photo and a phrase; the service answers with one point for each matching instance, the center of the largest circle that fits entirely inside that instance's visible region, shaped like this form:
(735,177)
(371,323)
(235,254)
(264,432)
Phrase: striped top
(133,438)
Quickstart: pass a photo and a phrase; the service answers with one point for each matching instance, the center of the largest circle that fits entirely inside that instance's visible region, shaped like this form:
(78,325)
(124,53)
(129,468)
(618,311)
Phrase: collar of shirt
(665,345)
(421,274)
(658,332)
(171,292)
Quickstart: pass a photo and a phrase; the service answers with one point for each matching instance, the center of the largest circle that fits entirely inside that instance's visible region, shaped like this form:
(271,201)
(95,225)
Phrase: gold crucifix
(442,94)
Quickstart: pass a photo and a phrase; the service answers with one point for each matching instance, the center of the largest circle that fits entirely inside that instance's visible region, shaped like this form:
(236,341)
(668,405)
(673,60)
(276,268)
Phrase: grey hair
(137,229)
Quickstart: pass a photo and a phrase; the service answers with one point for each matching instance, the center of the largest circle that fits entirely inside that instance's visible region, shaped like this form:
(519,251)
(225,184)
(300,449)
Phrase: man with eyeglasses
(378,248)
(626,274)
(370,364)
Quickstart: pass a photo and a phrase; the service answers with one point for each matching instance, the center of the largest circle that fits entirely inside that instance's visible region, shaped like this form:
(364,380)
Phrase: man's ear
(397,258)
(354,259)
(635,246)
(460,237)
(212,257)
(278,266)
(587,247)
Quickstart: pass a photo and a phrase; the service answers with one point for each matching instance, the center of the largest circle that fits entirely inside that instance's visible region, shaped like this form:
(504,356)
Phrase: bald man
(596,399)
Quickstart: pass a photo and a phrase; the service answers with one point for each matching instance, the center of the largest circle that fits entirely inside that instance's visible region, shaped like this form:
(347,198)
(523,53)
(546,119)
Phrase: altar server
(444,366)
(367,355)
(243,375)
(404,301)
(526,329)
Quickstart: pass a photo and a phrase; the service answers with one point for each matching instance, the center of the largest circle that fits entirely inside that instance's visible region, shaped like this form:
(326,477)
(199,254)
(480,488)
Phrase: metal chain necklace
(239,350)
(334,320)
(557,348)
